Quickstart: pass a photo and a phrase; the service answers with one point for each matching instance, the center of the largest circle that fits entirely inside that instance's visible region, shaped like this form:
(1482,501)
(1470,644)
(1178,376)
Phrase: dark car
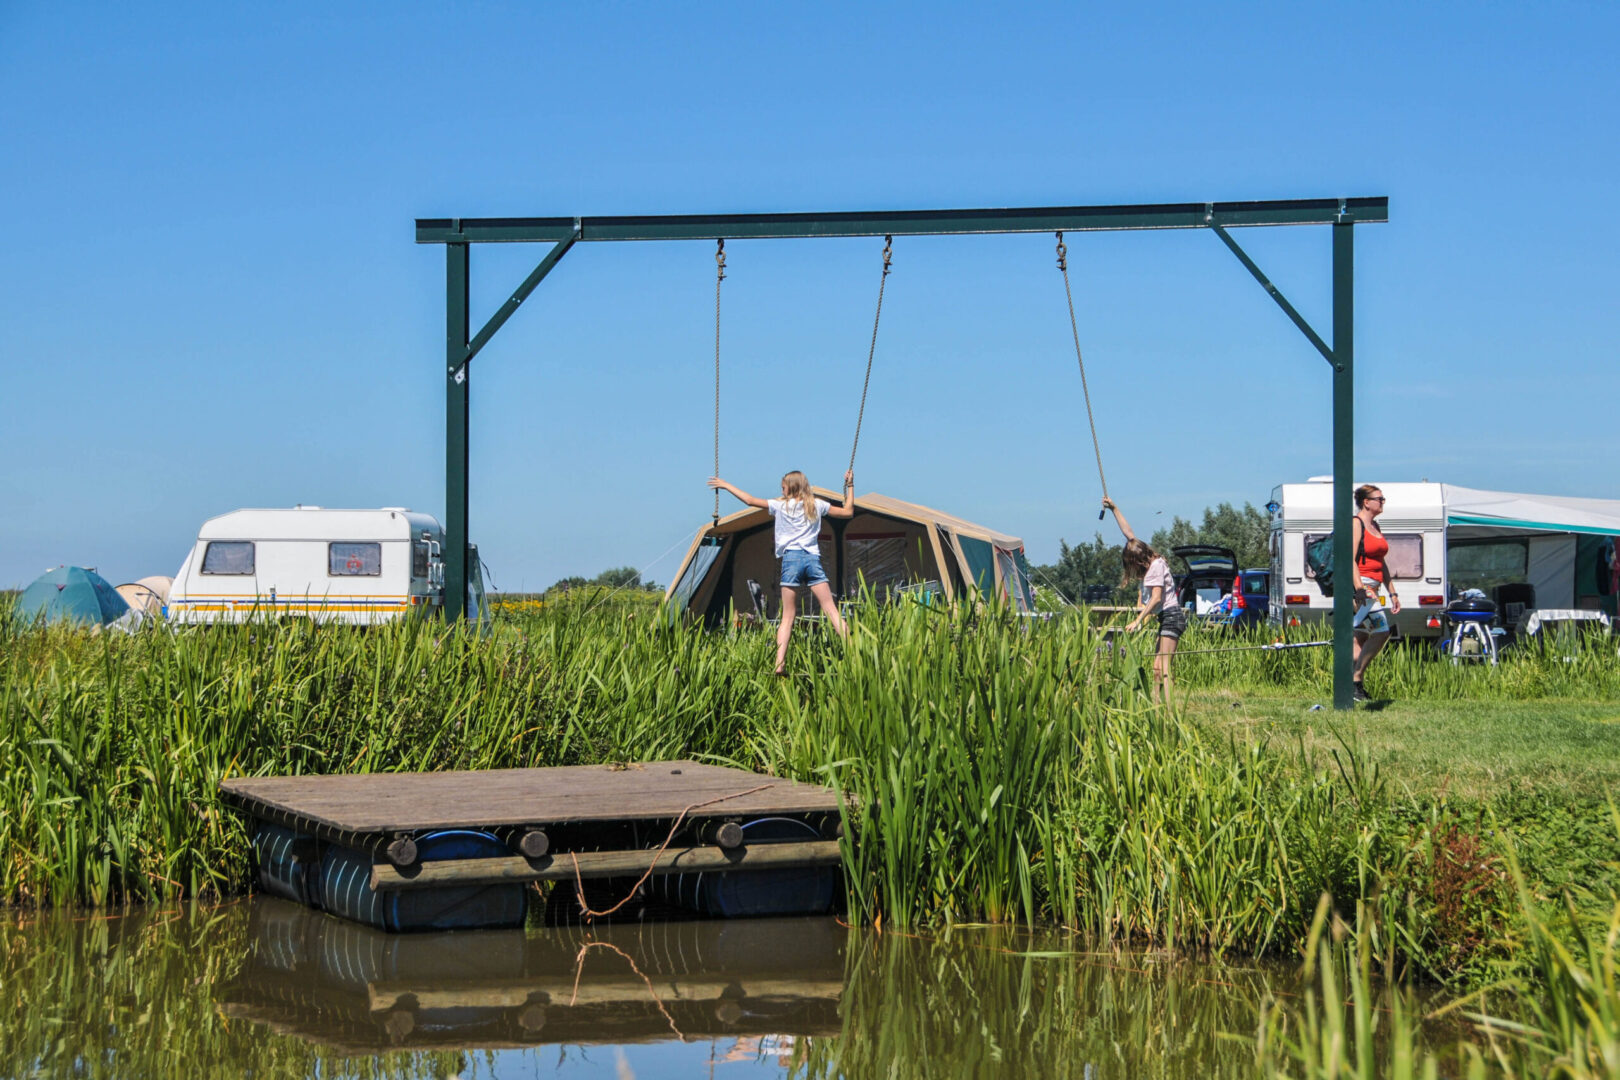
(1256,593)
(1209,580)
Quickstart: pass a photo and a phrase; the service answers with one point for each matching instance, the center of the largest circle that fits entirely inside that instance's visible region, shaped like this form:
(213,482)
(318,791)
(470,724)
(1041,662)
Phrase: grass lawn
(1471,750)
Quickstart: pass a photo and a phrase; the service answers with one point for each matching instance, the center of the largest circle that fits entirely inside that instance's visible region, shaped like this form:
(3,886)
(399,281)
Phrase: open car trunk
(1209,575)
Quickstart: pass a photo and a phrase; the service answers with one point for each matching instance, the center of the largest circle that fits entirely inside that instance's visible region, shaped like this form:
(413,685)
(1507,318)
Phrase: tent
(889,545)
(1568,544)
(71,594)
(147,595)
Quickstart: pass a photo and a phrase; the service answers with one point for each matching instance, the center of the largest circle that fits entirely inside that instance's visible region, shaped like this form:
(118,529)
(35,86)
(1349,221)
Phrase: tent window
(1487,565)
(354,560)
(1016,570)
(878,562)
(1405,556)
(228,557)
(1009,577)
(697,570)
(981,564)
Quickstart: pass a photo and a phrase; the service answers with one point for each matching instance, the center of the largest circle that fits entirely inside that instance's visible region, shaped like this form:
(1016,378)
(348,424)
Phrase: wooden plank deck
(416,802)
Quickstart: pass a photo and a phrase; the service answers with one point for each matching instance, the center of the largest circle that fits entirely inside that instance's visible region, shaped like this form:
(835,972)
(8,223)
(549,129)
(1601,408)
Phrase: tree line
(1097,563)
(619,577)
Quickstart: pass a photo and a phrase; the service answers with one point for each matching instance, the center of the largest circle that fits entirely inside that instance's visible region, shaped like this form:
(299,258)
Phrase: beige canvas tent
(148,594)
(888,545)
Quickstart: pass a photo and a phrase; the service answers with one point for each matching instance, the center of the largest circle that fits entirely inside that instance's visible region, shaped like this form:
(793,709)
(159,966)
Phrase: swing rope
(888,250)
(719,276)
(1074,327)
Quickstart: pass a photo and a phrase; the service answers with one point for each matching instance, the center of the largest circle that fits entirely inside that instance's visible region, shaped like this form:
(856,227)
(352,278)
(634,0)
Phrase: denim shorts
(802,568)
(1372,617)
(1173,623)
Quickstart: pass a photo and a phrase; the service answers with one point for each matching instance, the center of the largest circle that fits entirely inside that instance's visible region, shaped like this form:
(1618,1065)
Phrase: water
(265,988)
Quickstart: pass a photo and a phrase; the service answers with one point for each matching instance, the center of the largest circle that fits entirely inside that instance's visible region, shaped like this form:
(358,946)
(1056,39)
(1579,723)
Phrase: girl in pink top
(1158,595)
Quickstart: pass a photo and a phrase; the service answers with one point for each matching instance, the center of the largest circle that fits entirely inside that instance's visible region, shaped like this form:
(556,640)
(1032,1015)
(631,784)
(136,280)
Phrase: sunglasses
(1373,498)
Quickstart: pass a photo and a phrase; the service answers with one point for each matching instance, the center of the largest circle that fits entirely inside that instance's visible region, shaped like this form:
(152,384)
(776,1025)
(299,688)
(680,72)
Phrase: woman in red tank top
(1372,624)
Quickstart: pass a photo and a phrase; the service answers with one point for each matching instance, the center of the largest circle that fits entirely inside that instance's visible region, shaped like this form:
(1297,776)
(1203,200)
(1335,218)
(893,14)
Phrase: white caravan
(351,566)
(1527,552)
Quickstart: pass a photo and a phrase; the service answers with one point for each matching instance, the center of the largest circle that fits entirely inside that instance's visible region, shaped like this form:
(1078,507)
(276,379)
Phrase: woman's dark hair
(1137,557)
(1363,491)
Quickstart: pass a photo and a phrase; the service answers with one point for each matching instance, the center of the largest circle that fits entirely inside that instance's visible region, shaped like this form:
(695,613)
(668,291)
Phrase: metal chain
(1063,265)
(719,276)
(860,417)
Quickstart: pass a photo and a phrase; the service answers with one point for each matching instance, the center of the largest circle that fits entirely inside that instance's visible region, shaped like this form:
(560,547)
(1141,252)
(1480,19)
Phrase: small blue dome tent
(71,594)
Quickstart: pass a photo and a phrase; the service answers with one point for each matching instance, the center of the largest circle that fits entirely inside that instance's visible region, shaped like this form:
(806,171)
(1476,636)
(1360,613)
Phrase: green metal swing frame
(458,235)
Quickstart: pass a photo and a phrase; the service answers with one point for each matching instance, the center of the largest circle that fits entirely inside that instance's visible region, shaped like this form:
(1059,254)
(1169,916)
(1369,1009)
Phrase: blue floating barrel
(732,894)
(345,888)
(289,862)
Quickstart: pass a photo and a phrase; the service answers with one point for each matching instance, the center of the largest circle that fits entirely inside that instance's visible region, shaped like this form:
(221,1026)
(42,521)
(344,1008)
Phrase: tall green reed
(1557,1016)
(1000,768)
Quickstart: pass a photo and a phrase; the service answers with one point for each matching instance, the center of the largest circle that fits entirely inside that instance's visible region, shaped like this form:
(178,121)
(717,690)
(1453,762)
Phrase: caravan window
(354,560)
(1405,556)
(228,557)
(419,559)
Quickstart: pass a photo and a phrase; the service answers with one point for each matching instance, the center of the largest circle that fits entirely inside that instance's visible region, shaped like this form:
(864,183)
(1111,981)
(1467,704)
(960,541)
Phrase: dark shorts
(802,568)
(1173,623)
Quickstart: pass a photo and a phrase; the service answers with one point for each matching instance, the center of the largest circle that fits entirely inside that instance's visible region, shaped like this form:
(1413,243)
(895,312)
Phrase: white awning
(1546,513)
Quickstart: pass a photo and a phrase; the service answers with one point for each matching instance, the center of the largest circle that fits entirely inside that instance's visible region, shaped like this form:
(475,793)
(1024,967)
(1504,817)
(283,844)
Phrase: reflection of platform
(360,990)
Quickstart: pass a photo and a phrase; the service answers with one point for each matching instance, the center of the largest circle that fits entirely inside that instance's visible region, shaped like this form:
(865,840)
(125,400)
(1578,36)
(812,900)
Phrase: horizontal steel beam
(567,866)
(903,222)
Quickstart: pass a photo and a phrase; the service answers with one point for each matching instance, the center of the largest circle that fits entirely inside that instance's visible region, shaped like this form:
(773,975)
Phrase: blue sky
(210,296)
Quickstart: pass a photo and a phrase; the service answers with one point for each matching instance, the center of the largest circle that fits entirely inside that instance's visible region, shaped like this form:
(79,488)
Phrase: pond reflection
(270,989)
(361,991)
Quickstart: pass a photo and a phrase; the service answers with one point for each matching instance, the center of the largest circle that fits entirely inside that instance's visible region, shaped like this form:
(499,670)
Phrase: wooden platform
(415,802)
(556,824)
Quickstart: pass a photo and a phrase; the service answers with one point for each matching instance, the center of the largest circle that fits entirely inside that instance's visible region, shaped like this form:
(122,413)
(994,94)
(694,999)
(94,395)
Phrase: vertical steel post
(456,335)
(1344,352)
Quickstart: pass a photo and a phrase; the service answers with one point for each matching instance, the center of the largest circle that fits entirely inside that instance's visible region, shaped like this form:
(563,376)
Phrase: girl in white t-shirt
(1158,595)
(798,515)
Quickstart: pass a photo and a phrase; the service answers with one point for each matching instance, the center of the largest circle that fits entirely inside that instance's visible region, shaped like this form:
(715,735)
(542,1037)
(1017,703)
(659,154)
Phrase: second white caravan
(1528,552)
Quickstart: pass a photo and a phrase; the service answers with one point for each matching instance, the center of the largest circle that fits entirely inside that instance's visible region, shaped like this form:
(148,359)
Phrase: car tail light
(1434,622)
(1297,598)
(1431,601)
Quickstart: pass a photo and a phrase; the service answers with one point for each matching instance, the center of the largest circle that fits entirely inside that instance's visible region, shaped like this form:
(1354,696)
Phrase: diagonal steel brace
(1282,301)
